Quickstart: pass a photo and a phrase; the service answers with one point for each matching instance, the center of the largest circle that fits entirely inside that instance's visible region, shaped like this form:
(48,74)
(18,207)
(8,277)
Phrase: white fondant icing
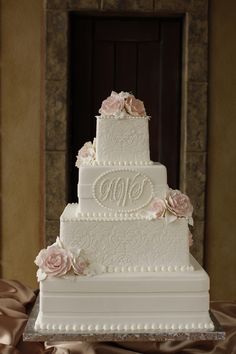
(122,140)
(131,243)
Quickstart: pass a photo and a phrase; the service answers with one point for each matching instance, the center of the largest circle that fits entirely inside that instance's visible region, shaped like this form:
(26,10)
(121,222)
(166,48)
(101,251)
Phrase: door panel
(126,66)
(148,88)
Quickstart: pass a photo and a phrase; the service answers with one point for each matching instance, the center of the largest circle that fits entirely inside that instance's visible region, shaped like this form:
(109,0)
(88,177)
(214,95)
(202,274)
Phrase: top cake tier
(122,131)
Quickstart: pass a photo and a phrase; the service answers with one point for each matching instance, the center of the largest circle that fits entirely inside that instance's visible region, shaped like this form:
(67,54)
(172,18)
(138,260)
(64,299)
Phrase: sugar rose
(158,207)
(80,263)
(179,204)
(190,239)
(54,260)
(134,107)
(112,105)
(86,150)
(87,154)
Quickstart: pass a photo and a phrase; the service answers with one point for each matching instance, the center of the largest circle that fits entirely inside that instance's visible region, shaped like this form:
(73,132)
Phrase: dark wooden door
(140,55)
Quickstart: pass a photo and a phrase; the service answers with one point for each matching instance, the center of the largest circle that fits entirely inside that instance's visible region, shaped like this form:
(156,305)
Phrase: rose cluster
(175,205)
(122,102)
(55,260)
(87,154)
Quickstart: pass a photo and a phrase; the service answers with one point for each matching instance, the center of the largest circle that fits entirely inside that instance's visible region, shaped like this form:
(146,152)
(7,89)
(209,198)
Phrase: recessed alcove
(137,54)
(65,19)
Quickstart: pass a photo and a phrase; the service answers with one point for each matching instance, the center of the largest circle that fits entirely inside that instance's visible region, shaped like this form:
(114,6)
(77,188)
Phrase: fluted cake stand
(32,335)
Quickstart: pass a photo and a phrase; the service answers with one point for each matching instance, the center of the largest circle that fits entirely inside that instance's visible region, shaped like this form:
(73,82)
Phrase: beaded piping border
(145,269)
(104,217)
(108,216)
(125,327)
(119,163)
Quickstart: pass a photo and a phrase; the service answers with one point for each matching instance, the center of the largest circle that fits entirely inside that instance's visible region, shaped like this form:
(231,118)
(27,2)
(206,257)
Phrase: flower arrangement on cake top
(119,106)
(122,104)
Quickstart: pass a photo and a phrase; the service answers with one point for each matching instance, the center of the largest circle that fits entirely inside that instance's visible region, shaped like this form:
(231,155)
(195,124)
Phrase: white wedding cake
(122,261)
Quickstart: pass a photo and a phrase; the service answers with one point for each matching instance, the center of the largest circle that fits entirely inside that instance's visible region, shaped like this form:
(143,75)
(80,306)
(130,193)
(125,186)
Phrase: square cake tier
(120,188)
(123,244)
(124,139)
(126,302)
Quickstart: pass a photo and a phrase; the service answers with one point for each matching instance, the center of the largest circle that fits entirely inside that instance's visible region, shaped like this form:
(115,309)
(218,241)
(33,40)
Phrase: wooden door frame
(193,155)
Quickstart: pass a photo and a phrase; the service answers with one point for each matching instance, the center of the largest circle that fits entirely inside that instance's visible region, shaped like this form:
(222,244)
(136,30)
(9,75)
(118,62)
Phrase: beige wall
(221,226)
(21,74)
(20,145)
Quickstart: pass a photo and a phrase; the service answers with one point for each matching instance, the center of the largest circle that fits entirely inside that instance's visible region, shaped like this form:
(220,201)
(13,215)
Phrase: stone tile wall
(194,99)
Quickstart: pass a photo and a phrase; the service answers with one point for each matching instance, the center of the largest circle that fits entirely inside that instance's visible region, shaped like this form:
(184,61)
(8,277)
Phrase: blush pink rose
(86,150)
(112,105)
(158,207)
(190,239)
(87,154)
(80,264)
(134,107)
(179,204)
(54,261)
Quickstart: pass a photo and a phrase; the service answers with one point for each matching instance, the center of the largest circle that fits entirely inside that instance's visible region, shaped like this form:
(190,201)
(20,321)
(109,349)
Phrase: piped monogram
(123,190)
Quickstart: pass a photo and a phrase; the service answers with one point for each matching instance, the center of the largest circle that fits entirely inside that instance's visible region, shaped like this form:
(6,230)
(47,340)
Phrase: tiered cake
(122,260)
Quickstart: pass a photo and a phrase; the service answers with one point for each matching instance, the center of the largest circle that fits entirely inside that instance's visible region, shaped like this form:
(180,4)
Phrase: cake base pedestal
(32,335)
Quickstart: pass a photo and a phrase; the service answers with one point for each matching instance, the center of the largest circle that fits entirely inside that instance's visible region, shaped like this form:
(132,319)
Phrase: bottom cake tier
(126,302)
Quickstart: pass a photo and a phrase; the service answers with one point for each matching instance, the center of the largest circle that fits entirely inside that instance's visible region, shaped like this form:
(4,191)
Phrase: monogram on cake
(122,261)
